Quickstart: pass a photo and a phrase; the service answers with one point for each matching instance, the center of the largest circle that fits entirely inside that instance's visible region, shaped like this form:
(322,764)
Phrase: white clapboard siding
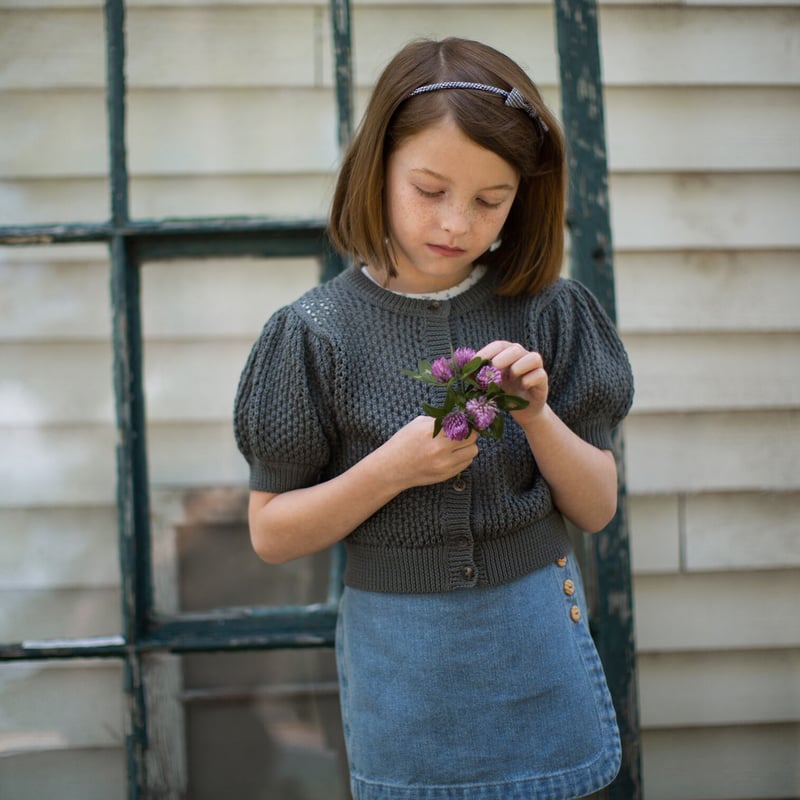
(714,290)
(702,128)
(742,531)
(748,687)
(655,535)
(46,705)
(92,774)
(54,293)
(714,532)
(302,196)
(732,763)
(710,371)
(193,381)
(55,547)
(58,465)
(56,383)
(717,451)
(220,298)
(688,211)
(48,201)
(31,615)
(195,454)
(682,45)
(717,611)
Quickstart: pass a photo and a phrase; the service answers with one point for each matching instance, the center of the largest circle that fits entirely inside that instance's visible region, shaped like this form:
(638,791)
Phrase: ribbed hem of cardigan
(426,570)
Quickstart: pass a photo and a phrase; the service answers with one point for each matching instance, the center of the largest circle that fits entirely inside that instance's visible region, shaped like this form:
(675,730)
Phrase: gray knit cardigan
(323,387)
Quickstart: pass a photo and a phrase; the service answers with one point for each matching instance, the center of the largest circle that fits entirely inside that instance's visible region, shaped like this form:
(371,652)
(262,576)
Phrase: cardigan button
(459,484)
(468,572)
(436,305)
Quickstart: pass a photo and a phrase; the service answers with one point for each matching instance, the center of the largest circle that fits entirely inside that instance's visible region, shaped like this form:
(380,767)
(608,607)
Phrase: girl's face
(447,201)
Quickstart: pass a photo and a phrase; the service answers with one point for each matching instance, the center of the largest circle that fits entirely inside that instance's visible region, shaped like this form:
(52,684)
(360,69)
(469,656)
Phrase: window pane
(58,565)
(62,730)
(200,319)
(245,123)
(53,129)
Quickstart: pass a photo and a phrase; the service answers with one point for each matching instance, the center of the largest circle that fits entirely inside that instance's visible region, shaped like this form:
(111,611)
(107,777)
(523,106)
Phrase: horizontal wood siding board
(741,531)
(687,211)
(88,774)
(717,611)
(681,690)
(57,547)
(735,763)
(730,291)
(58,613)
(61,705)
(714,451)
(672,371)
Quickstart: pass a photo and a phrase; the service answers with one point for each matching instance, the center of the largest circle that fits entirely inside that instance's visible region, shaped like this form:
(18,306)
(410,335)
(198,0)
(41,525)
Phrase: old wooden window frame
(132,243)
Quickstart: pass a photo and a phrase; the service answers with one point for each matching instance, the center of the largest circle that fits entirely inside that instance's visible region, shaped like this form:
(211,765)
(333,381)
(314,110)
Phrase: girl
(466,668)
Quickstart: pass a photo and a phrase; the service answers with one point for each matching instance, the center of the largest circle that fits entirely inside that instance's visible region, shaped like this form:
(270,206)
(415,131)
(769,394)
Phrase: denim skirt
(490,693)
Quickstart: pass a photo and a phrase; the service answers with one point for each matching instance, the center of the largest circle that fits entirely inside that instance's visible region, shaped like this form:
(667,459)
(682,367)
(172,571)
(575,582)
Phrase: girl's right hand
(415,457)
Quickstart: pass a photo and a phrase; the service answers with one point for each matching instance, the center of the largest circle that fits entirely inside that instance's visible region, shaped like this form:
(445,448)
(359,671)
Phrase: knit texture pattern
(322,388)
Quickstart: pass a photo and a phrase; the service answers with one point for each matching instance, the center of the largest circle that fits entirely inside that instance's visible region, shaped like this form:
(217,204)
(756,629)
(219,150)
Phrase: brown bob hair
(532,248)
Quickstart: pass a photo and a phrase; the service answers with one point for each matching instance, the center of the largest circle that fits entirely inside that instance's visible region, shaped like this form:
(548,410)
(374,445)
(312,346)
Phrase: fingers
(512,358)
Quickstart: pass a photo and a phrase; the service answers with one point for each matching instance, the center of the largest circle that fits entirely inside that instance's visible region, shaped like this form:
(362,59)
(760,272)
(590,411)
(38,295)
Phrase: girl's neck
(474,276)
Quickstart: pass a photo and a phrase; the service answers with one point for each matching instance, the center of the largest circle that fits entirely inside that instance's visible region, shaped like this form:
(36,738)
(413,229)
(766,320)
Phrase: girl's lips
(444,250)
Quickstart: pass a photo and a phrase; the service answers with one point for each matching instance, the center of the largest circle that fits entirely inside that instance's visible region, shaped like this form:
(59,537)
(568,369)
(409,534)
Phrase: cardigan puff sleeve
(280,409)
(590,377)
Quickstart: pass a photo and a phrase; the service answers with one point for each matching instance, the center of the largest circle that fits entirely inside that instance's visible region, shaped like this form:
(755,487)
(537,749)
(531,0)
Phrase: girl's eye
(489,203)
(426,193)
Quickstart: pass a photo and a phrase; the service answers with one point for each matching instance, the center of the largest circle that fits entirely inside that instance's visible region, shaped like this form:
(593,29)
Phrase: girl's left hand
(523,375)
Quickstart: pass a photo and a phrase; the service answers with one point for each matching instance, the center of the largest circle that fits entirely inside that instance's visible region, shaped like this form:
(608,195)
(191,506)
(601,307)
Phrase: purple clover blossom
(456,426)
(442,369)
(482,411)
(462,356)
(488,374)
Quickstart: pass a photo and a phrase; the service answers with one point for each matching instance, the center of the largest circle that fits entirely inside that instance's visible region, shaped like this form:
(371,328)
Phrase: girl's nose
(455,219)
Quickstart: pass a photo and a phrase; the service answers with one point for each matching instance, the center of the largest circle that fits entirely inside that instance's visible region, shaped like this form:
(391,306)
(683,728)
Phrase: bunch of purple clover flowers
(474,397)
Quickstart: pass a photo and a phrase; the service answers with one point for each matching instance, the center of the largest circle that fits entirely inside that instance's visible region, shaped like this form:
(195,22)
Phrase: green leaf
(433,411)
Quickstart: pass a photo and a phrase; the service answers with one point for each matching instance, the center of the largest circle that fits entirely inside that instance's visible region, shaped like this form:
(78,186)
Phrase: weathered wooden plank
(711,290)
(717,611)
(681,212)
(56,382)
(696,372)
(654,522)
(735,763)
(58,548)
(43,297)
(701,129)
(60,705)
(301,196)
(94,774)
(525,33)
(195,455)
(71,465)
(680,690)
(683,45)
(226,298)
(58,613)
(724,451)
(742,531)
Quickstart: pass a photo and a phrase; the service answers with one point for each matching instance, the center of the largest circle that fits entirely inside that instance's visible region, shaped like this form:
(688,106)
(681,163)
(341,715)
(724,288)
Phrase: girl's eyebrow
(431,173)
